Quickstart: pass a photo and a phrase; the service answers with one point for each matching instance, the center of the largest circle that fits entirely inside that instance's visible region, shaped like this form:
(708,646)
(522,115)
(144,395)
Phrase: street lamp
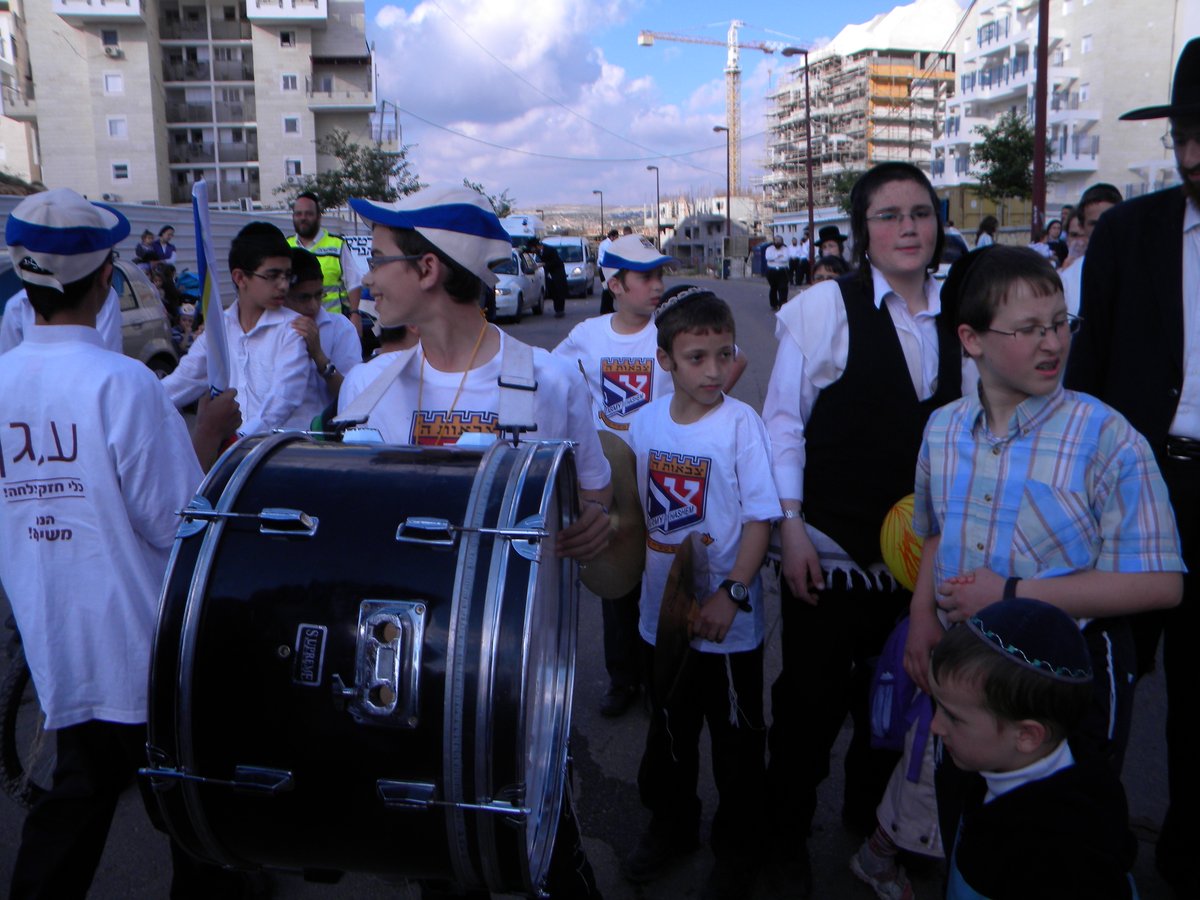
(601,193)
(812,237)
(657,204)
(728,224)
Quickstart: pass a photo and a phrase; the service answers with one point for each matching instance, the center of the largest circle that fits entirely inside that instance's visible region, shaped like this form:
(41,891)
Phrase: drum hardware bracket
(246,779)
(387,664)
(272,520)
(419,795)
(441,533)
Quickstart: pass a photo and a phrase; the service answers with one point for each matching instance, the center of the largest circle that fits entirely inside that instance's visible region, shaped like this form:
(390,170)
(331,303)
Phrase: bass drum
(364,661)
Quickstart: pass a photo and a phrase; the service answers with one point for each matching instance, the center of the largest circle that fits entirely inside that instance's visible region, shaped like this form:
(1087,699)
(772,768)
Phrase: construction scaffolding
(867,107)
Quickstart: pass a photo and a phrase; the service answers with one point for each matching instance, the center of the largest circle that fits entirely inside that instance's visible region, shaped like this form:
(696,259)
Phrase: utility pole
(1041,89)
(601,193)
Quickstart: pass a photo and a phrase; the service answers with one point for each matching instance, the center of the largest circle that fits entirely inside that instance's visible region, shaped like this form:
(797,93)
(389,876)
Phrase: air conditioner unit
(111,198)
(293,179)
(114,52)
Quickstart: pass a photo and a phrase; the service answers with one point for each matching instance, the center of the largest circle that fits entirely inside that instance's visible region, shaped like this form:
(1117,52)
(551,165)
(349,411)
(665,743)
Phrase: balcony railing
(198,30)
(18,105)
(233,70)
(1077,146)
(189,112)
(237,152)
(186,71)
(223,30)
(192,152)
(236,112)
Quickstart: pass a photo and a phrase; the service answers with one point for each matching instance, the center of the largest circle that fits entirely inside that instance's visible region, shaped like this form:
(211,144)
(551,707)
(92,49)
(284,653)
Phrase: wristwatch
(738,593)
(329,369)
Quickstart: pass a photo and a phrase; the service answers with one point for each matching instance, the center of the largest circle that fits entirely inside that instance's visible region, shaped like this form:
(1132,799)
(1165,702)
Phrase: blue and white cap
(635,253)
(58,237)
(458,221)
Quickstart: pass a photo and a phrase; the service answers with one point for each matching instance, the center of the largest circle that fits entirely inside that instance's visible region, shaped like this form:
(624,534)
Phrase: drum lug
(387,664)
(441,533)
(526,537)
(247,779)
(419,795)
(275,521)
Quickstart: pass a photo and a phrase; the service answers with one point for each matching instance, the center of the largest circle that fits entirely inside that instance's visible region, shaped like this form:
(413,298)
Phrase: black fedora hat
(830,233)
(1185,89)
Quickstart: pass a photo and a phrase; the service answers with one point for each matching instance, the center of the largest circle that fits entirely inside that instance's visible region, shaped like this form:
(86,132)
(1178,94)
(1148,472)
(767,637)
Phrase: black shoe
(616,700)
(655,850)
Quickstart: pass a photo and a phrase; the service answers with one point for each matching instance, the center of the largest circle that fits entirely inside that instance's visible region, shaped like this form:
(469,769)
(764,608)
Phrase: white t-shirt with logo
(621,370)
(709,477)
(420,408)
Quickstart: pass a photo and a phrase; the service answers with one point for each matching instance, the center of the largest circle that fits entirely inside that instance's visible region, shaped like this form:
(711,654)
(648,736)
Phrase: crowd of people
(1049,435)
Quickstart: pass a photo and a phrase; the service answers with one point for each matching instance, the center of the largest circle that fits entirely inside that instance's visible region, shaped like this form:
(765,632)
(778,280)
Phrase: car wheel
(537,310)
(520,304)
(162,365)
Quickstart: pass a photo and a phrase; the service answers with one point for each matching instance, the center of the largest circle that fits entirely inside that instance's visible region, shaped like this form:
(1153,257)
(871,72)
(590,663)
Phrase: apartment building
(1106,57)
(873,94)
(137,99)
(18,139)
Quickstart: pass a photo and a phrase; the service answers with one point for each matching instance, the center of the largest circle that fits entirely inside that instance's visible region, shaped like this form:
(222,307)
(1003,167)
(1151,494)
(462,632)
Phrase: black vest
(863,435)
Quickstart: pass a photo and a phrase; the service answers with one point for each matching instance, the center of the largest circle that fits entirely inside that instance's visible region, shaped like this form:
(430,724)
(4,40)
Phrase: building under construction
(873,90)
(867,107)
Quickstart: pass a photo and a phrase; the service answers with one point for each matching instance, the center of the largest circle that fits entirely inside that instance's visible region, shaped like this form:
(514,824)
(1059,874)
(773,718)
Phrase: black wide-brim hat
(830,233)
(1185,89)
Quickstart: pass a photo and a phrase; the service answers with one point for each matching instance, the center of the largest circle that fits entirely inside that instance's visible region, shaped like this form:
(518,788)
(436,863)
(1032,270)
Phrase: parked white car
(521,287)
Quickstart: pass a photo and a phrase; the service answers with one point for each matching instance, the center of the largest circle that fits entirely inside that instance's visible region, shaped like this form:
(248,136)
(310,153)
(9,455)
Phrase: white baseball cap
(635,253)
(58,237)
(458,221)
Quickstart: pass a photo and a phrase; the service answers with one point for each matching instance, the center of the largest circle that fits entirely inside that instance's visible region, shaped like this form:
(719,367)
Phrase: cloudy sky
(552,99)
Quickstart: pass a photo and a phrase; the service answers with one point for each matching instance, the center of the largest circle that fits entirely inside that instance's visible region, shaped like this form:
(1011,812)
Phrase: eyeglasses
(919,215)
(1037,331)
(374,262)
(1173,139)
(277,276)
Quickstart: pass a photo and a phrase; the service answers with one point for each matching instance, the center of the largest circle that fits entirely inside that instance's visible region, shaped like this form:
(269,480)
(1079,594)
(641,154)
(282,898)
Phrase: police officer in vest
(343,283)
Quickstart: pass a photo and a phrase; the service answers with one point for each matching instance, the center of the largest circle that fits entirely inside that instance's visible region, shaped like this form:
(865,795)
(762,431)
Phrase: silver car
(519,288)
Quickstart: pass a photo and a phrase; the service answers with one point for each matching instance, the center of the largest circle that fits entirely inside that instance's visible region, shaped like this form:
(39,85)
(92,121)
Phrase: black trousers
(829,656)
(622,640)
(724,690)
(64,834)
(1181,827)
(778,281)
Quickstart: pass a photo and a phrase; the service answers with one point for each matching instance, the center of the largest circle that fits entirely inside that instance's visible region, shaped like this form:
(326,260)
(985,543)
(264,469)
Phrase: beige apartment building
(1106,57)
(873,93)
(134,100)
(18,140)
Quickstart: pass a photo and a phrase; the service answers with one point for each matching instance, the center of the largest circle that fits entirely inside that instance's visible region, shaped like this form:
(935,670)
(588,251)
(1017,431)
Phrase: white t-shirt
(621,370)
(777,257)
(561,405)
(94,464)
(710,477)
(268,365)
(1072,282)
(339,342)
(19,318)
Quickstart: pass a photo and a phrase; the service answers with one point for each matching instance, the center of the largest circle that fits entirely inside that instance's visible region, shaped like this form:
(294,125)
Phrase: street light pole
(657,205)
(728,223)
(812,237)
(601,193)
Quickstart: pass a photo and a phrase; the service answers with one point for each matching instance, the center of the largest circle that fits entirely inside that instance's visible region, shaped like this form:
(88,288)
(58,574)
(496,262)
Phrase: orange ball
(900,544)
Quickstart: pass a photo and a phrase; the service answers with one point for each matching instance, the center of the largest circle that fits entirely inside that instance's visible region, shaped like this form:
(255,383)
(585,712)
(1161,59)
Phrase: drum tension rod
(440,532)
(419,795)
(272,519)
(247,779)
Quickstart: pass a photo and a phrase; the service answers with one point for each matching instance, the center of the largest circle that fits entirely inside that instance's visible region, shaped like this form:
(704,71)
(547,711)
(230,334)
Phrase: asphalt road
(136,863)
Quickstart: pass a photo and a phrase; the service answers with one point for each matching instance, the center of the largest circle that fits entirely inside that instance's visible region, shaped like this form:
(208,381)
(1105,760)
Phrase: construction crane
(733,82)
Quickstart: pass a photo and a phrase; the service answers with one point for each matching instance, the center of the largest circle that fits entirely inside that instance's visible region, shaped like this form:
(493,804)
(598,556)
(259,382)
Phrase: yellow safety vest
(328,251)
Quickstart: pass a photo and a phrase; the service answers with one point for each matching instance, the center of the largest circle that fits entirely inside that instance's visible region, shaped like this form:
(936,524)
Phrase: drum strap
(360,408)
(518,389)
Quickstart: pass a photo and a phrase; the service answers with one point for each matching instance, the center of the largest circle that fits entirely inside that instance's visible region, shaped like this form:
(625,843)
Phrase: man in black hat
(1139,350)
(830,242)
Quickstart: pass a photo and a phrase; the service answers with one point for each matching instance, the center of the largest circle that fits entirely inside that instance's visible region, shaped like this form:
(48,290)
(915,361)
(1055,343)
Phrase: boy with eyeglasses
(1022,486)
(268,360)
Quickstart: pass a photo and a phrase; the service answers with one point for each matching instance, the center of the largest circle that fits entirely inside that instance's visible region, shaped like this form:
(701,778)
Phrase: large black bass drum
(364,661)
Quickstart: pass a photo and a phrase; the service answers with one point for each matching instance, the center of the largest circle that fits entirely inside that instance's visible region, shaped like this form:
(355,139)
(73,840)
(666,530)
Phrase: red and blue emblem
(675,490)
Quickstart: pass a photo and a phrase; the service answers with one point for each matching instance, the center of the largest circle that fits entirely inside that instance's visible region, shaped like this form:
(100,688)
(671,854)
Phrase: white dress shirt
(1187,415)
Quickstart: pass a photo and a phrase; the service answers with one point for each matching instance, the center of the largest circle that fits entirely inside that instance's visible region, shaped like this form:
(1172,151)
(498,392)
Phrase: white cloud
(429,66)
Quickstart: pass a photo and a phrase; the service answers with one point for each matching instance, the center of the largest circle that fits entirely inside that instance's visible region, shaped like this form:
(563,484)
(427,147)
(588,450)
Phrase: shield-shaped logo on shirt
(675,490)
(628,384)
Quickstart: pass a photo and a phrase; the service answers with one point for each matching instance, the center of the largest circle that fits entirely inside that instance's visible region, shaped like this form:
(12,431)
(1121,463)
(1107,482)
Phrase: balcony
(232,191)
(101,10)
(190,30)
(223,30)
(183,113)
(228,151)
(233,70)
(1075,153)
(191,153)
(341,101)
(18,105)
(1066,108)
(284,12)
(186,71)
(237,112)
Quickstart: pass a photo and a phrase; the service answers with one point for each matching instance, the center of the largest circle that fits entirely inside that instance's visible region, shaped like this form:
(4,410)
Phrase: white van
(523,230)
(580,262)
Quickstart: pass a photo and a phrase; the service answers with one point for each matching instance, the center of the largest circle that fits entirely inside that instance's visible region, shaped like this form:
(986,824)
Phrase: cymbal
(618,568)
(679,605)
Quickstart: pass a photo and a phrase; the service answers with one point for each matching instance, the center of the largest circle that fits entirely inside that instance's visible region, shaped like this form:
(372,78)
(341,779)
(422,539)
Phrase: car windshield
(505,266)
(570,252)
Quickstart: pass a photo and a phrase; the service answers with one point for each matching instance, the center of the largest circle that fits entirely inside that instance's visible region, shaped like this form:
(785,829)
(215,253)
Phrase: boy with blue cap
(94,463)
(430,255)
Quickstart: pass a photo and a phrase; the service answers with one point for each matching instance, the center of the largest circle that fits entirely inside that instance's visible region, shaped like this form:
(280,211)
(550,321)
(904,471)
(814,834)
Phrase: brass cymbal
(618,568)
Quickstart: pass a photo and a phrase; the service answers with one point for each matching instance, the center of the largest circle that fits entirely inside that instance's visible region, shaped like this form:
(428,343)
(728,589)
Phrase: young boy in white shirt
(703,464)
(268,362)
(617,354)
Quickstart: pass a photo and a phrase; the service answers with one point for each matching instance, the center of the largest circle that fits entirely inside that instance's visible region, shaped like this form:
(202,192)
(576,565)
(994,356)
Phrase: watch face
(738,591)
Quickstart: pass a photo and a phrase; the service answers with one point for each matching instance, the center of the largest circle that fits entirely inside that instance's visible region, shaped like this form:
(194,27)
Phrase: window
(290,82)
(110,37)
(291,124)
(287,39)
(1084,91)
(120,171)
(292,167)
(114,83)
(118,127)
(1085,45)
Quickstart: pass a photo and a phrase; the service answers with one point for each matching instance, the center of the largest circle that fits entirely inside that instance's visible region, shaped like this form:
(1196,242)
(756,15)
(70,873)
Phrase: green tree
(1006,156)
(363,170)
(843,183)
(502,204)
